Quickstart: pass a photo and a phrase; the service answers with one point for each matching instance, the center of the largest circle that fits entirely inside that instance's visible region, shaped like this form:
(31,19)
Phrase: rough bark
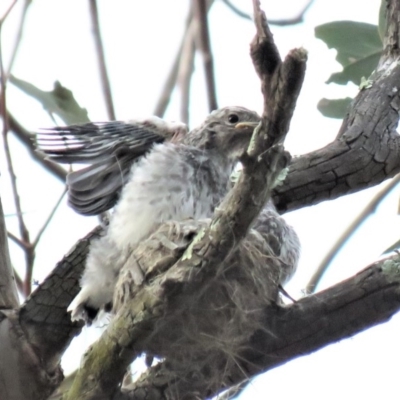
(369,298)
(44,317)
(367,148)
(34,337)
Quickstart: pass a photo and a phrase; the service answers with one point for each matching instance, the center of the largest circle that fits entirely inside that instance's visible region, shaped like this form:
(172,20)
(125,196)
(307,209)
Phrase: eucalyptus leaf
(334,108)
(352,40)
(358,45)
(59,101)
(356,71)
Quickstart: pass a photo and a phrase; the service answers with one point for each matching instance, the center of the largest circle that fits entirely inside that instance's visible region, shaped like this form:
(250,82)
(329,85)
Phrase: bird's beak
(244,125)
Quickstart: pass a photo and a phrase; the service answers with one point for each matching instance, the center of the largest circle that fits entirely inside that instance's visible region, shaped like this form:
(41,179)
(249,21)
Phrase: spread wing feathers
(110,149)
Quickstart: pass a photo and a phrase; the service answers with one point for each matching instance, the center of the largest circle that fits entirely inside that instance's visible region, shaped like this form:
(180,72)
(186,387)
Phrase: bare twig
(200,13)
(18,281)
(169,84)
(17,241)
(185,73)
(27,139)
(29,253)
(236,10)
(18,37)
(4,17)
(49,218)
(8,292)
(297,19)
(345,236)
(171,80)
(105,82)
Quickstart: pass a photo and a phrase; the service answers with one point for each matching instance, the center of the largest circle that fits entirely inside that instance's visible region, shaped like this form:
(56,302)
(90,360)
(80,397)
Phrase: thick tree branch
(367,148)
(43,317)
(369,298)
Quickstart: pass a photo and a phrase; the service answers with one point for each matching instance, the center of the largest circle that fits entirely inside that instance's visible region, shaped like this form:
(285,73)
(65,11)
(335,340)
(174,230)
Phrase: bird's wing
(110,149)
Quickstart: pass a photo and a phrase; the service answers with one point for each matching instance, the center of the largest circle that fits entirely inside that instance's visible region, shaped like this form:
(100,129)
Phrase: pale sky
(141,39)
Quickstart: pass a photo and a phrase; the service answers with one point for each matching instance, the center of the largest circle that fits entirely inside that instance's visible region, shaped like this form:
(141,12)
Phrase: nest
(208,316)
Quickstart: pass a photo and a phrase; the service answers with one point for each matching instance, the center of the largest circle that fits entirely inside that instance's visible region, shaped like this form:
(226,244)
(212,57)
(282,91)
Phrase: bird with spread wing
(151,171)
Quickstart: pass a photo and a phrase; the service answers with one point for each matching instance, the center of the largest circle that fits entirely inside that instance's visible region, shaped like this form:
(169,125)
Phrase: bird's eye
(233,118)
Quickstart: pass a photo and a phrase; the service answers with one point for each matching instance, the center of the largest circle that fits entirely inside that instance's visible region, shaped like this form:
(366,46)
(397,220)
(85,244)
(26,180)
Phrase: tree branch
(8,289)
(171,80)
(297,19)
(200,13)
(44,316)
(369,298)
(368,210)
(185,71)
(18,37)
(105,81)
(28,140)
(49,218)
(367,148)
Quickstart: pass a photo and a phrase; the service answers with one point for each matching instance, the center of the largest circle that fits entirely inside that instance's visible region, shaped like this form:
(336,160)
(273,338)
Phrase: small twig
(236,10)
(185,73)
(171,80)
(17,240)
(169,85)
(49,218)
(27,139)
(18,281)
(105,82)
(8,293)
(4,17)
(200,13)
(297,19)
(234,391)
(29,253)
(345,236)
(18,36)
(286,294)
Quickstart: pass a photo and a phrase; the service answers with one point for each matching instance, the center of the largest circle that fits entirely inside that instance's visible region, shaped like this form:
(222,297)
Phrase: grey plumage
(155,172)
(110,148)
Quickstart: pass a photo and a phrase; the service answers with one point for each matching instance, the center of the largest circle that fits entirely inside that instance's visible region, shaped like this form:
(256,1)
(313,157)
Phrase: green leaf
(358,47)
(334,108)
(352,40)
(382,20)
(59,101)
(393,247)
(355,71)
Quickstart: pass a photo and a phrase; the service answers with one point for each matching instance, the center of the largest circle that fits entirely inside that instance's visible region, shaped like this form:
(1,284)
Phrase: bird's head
(227,130)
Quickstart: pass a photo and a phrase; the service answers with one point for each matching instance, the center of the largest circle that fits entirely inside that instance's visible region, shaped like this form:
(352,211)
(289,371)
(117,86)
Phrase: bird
(150,171)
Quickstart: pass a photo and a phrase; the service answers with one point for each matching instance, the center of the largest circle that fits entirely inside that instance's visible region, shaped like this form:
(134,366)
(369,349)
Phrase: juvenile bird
(151,171)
